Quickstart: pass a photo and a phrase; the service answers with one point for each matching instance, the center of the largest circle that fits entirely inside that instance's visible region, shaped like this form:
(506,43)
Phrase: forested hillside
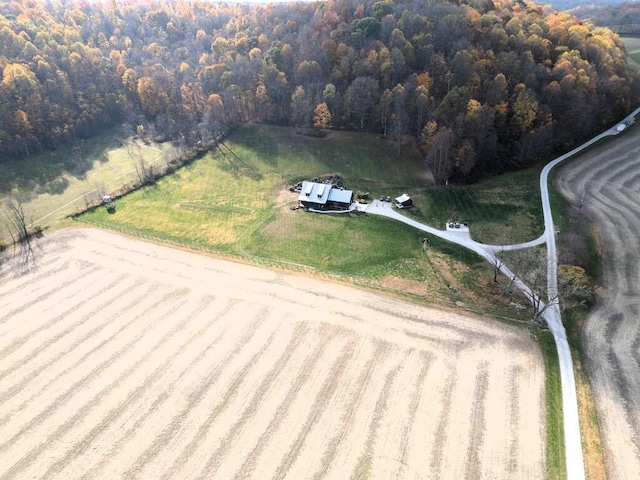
(571,4)
(486,86)
(622,18)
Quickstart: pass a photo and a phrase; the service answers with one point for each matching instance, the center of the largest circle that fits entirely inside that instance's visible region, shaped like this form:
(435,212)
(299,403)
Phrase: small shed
(108,202)
(404,201)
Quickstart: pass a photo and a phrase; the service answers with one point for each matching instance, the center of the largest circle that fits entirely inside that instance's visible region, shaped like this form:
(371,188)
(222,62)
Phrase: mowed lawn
(236,200)
(504,209)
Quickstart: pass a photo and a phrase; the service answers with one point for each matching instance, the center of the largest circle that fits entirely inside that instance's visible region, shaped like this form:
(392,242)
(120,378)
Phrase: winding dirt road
(607,178)
(124,359)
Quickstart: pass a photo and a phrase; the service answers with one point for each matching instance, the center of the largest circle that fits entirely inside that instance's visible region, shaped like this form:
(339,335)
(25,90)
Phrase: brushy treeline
(486,86)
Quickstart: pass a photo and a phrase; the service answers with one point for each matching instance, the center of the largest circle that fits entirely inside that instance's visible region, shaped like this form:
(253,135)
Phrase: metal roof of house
(342,196)
(320,193)
(403,198)
(314,192)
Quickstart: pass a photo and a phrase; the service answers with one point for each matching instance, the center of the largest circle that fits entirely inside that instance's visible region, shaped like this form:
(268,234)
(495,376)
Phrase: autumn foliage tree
(322,116)
(506,83)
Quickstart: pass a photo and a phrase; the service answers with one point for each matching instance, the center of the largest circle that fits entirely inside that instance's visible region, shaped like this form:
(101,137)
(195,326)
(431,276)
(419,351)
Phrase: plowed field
(123,359)
(607,180)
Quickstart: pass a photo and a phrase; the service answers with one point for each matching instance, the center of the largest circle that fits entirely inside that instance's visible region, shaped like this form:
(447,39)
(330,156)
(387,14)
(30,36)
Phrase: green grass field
(556,459)
(500,210)
(58,180)
(226,197)
(632,45)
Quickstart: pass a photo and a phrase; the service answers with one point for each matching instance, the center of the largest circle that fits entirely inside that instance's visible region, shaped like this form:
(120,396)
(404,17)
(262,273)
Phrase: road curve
(573,445)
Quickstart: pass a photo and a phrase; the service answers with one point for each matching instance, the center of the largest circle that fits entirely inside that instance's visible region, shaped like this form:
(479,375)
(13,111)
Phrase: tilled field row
(607,183)
(120,359)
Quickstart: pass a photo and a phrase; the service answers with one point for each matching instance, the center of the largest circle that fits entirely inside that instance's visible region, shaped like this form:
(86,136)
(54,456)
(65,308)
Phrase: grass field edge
(555,458)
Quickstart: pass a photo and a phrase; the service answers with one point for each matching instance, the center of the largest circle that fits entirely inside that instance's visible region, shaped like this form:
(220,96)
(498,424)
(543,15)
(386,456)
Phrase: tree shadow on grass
(236,166)
(55,187)
(46,173)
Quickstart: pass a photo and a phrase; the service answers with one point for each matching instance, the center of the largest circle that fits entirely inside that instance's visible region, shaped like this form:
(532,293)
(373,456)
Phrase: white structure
(322,196)
(404,201)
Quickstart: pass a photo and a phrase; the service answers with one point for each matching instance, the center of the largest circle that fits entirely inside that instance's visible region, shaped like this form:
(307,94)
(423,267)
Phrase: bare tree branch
(15,219)
(530,266)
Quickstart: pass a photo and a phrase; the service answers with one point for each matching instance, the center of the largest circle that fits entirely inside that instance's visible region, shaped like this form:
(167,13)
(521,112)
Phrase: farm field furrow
(605,182)
(125,359)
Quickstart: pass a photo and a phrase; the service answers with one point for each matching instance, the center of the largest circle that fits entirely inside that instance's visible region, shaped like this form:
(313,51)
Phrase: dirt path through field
(607,181)
(124,359)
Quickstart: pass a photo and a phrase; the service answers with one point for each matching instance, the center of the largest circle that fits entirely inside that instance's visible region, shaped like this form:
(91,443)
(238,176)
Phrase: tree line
(486,86)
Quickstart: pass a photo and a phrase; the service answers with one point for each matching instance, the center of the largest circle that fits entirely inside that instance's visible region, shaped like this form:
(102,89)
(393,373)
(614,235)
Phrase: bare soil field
(125,359)
(607,182)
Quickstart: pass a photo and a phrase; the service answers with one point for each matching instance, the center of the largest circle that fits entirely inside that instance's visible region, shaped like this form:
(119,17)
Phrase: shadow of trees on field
(45,173)
(236,165)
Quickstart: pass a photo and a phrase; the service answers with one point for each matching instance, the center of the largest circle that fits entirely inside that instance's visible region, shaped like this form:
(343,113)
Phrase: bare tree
(87,201)
(384,107)
(15,219)
(144,172)
(301,110)
(400,117)
(530,266)
(361,97)
(173,157)
(497,265)
(95,196)
(439,154)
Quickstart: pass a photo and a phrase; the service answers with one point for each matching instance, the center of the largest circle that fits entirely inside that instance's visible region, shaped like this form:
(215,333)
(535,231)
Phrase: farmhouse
(323,196)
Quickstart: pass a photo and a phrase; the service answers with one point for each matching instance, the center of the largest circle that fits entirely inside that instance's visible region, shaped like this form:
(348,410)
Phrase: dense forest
(486,86)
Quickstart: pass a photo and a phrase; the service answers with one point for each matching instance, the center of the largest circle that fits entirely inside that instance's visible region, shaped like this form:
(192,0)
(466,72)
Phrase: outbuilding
(324,196)
(404,201)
